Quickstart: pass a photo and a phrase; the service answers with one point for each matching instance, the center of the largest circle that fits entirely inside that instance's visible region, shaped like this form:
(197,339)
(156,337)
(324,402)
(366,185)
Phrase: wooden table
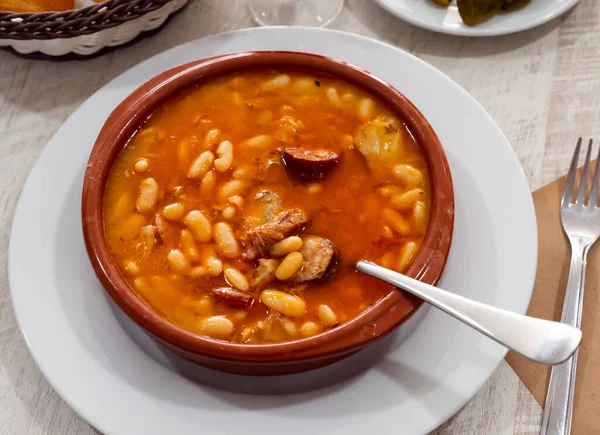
(542,87)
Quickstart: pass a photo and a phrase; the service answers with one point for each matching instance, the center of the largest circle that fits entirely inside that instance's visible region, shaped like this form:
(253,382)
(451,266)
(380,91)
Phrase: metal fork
(581,223)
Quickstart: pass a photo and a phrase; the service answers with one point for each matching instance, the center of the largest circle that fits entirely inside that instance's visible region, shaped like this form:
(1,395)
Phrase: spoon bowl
(542,341)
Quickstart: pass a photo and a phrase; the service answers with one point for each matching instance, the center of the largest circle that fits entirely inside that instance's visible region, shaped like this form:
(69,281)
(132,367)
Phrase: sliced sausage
(319,259)
(231,296)
(309,165)
(286,223)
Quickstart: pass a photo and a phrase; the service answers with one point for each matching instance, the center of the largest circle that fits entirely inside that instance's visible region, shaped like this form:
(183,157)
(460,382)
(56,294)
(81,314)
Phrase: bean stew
(240,206)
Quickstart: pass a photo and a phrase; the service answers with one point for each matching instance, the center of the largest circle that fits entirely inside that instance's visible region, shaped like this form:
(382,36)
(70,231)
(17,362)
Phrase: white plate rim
(12,267)
(480,30)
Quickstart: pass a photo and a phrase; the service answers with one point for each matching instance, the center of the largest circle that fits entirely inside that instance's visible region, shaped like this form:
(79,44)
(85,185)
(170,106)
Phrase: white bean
(261,141)
(420,215)
(237,200)
(387,260)
(188,244)
(141,165)
(201,165)
(208,185)
(284,303)
(289,266)
(216,327)
(287,245)
(279,82)
(327,315)
(308,329)
(396,221)
(365,109)
(333,96)
(226,242)
(173,212)
(242,172)
(199,225)
(214,266)
(228,213)
(408,174)
(236,279)
(225,153)
(289,326)
(406,255)
(406,199)
(148,235)
(231,188)
(198,272)
(178,261)
(389,190)
(131,267)
(304,86)
(147,195)
(211,139)
(202,306)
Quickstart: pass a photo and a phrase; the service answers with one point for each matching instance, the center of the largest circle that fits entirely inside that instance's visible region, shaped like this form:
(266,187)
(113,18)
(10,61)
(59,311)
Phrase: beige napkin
(547,302)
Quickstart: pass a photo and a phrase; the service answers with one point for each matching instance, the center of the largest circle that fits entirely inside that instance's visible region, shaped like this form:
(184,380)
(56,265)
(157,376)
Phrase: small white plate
(426,14)
(114,376)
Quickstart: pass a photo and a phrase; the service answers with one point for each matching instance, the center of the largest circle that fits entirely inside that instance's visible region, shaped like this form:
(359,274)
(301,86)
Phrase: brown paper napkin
(547,301)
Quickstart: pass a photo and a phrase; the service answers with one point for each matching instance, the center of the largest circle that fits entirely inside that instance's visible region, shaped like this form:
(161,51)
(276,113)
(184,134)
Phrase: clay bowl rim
(344,339)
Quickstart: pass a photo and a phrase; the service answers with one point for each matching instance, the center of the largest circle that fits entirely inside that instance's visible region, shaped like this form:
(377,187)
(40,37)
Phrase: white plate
(122,383)
(426,14)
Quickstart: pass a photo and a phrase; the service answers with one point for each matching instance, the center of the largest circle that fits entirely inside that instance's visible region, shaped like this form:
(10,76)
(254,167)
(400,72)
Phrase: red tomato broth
(346,209)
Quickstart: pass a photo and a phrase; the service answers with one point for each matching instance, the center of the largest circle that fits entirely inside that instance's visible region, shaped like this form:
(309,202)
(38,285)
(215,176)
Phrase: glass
(312,13)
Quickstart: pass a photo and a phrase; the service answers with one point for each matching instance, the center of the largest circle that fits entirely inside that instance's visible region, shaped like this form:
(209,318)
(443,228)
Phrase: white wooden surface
(542,87)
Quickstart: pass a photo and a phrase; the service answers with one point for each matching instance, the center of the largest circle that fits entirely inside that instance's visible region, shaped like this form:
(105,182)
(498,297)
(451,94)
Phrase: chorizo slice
(309,165)
(232,296)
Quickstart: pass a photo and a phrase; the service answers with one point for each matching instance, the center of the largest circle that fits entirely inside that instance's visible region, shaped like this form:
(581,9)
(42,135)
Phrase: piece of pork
(319,259)
(380,141)
(271,202)
(286,223)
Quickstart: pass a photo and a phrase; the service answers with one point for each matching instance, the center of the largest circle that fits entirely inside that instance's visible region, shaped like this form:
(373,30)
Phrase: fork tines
(567,198)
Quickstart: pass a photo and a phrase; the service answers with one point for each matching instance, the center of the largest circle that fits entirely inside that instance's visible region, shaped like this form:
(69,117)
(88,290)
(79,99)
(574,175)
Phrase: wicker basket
(84,31)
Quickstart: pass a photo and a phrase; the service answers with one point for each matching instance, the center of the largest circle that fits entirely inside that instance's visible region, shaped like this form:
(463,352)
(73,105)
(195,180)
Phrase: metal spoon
(543,341)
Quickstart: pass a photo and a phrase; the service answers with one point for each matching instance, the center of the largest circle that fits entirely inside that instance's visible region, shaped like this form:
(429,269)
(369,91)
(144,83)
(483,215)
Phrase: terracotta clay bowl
(268,359)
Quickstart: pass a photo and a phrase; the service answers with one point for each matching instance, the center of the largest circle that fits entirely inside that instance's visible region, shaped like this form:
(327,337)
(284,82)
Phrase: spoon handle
(543,341)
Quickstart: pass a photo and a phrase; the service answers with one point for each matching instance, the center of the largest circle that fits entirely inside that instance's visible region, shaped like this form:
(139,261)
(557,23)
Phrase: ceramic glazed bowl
(268,359)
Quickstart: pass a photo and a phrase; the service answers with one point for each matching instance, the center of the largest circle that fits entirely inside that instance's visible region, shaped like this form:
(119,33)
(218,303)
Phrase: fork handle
(558,411)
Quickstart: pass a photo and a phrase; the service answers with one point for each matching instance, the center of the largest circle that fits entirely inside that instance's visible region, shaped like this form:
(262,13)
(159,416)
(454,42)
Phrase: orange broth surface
(351,206)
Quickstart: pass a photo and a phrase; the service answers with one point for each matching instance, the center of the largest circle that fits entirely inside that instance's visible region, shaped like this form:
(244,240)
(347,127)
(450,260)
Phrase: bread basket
(84,31)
